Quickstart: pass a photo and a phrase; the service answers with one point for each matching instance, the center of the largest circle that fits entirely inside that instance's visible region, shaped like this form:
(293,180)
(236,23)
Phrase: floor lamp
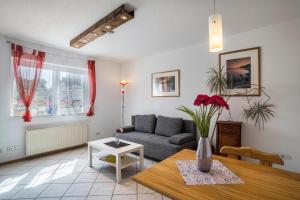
(123,83)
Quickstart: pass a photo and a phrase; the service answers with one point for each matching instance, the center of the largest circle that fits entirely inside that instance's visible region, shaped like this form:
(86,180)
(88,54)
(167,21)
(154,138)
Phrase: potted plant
(206,108)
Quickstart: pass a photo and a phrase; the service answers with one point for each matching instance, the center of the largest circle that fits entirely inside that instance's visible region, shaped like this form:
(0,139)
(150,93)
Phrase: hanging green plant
(216,81)
(258,110)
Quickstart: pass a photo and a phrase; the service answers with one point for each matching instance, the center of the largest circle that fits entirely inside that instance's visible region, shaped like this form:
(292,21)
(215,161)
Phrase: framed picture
(242,71)
(166,84)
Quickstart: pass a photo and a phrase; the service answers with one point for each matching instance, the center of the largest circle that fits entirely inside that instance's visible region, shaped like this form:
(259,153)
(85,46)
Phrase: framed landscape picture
(242,71)
(166,84)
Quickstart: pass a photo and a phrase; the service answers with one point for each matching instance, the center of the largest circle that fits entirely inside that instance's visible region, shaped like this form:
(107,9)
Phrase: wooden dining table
(260,182)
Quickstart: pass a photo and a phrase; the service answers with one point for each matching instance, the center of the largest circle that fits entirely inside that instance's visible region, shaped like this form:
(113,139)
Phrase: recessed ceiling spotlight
(123,17)
(107,27)
(95,34)
(84,41)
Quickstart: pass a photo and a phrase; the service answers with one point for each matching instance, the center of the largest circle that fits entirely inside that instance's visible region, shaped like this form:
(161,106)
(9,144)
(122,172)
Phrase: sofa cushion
(161,148)
(188,126)
(181,138)
(155,146)
(145,123)
(137,137)
(167,126)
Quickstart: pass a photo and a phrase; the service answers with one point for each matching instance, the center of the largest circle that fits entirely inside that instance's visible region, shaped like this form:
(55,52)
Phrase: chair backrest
(266,159)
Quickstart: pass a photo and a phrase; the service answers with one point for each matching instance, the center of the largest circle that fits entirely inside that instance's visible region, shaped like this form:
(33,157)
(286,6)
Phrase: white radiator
(54,138)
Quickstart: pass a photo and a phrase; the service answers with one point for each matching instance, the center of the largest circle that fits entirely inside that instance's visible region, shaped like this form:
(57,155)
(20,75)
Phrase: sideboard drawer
(228,128)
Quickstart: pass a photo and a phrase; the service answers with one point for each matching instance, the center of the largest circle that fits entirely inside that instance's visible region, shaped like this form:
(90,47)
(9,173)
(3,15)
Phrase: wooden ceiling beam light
(107,24)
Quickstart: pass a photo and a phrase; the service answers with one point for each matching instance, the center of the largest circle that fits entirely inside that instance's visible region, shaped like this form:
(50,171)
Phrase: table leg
(118,168)
(90,156)
(141,158)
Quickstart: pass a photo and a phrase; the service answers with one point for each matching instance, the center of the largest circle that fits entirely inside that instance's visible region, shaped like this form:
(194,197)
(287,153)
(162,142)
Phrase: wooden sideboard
(228,134)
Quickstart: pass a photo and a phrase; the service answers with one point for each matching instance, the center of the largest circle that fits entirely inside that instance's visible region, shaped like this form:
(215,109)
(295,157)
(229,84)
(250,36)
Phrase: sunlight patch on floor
(10,183)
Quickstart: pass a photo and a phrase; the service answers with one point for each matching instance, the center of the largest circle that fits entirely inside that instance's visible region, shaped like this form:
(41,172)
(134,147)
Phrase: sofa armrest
(181,138)
(125,129)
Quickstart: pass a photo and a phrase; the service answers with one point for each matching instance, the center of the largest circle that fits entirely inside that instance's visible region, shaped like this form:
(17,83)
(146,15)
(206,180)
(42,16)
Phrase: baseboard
(43,154)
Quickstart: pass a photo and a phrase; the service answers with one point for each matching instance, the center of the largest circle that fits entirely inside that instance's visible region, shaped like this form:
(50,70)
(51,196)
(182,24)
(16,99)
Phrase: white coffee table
(127,159)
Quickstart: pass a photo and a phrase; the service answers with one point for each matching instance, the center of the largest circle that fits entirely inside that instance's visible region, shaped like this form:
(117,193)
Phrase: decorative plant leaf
(259,112)
(216,81)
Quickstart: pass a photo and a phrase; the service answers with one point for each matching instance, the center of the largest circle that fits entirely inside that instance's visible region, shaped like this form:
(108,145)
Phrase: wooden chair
(266,159)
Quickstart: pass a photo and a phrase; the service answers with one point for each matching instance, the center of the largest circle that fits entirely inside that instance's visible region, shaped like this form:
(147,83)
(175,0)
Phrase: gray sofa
(161,136)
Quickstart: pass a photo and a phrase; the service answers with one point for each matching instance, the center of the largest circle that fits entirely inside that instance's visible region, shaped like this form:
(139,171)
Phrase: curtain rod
(10,42)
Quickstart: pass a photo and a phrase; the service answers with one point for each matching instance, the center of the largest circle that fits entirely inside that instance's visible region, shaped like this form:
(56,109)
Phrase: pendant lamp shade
(215,33)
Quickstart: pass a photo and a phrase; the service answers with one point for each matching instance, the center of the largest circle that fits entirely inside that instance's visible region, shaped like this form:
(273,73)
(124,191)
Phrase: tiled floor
(67,176)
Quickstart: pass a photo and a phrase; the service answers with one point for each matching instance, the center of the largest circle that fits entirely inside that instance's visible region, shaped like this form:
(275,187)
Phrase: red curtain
(92,83)
(27,70)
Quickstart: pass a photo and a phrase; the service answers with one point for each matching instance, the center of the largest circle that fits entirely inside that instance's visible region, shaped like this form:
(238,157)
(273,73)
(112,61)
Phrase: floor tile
(39,179)
(144,190)
(27,179)
(79,189)
(29,163)
(124,197)
(86,178)
(83,156)
(18,170)
(96,161)
(55,190)
(95,169)
(155,196)
(78,169)
(148,163)
(70,167)
(102,189)
(108,169)
(129,187)
(48,162)
(106,178)
(166,198)
(128,175)
(6,192)
(71,157)
(64,178)
(73,198)
(13,179)
(43,169)
(55,157)
(30,192)
(67,174)
(99,198)
(130,168)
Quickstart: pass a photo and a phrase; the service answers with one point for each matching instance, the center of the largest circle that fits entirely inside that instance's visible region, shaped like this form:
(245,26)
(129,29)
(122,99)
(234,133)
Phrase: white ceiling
(159,25)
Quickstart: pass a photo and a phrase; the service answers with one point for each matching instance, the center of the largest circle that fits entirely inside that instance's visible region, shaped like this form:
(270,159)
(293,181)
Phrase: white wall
(280,75)
(107,105)
(107,108)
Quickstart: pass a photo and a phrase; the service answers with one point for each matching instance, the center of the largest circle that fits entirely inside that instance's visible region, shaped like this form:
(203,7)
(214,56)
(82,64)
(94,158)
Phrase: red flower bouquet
(206,107)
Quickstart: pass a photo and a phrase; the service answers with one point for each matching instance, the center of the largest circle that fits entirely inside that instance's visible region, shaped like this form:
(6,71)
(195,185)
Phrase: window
(61,90)
(72,92)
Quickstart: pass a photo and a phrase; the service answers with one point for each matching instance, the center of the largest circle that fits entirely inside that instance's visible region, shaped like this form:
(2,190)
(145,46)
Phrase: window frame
(56,69)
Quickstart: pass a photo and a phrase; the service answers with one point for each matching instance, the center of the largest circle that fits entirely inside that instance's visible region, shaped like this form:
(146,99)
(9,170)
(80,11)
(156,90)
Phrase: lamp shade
(123,82)
(215,33)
